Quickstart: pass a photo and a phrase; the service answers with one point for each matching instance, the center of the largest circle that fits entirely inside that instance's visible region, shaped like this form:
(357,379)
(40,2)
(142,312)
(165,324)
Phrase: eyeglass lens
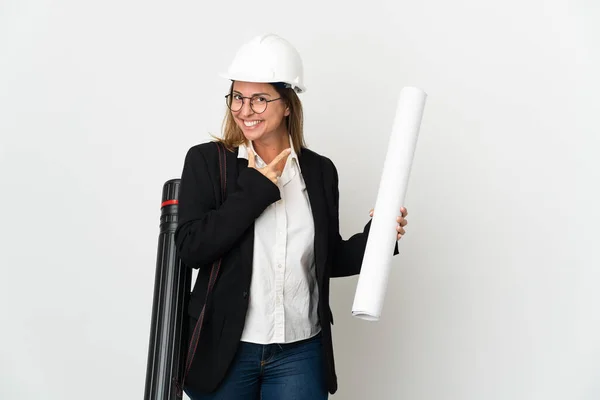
(235,102)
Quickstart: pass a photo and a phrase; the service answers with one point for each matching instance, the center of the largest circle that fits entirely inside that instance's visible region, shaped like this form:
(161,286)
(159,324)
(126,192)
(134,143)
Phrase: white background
(494,295)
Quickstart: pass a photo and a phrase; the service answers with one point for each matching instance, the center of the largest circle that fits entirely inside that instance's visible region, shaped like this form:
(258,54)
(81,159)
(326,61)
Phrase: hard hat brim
(297,88)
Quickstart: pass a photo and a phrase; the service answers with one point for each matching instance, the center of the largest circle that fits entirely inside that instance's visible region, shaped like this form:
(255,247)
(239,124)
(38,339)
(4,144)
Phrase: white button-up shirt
(283,290)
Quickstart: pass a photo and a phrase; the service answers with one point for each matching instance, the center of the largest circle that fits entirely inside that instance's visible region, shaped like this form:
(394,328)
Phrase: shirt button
(279,266)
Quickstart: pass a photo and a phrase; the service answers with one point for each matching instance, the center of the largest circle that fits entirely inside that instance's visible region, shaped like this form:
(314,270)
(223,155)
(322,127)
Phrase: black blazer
(207,232)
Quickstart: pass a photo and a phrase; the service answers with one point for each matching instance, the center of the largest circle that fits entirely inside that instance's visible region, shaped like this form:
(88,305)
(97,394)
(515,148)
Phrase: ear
(287,112)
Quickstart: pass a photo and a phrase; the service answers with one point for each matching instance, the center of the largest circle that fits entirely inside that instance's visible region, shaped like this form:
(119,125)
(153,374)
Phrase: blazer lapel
(309,165)
(247,243)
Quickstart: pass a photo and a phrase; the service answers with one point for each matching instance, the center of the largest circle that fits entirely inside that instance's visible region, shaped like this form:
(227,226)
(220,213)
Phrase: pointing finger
(251,162)
(280,157)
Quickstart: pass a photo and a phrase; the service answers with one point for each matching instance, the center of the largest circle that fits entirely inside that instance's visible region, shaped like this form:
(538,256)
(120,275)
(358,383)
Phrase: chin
(252,134)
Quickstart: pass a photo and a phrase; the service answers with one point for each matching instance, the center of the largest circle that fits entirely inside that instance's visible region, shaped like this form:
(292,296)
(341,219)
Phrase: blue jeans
(292,371)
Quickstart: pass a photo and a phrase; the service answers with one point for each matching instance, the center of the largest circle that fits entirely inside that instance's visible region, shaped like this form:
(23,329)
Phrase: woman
(266,332)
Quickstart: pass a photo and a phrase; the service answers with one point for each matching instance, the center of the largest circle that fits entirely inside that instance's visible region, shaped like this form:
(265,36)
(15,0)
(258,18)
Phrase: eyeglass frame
(249,98)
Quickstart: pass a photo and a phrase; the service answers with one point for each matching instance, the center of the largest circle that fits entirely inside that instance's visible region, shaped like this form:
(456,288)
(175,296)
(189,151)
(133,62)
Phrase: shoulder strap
(222,169)
(214,273)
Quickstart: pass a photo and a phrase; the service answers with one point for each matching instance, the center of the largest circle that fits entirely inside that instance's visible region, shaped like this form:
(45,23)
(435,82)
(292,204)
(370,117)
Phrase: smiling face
(259,126)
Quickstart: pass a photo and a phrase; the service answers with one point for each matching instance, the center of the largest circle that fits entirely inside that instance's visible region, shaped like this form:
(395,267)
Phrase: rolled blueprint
(372,282)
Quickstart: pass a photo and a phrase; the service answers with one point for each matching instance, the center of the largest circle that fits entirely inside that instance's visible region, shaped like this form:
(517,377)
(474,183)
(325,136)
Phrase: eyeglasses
(258,104)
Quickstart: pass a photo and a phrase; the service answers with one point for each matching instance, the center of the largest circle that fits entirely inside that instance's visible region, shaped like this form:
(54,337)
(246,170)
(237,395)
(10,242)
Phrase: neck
(269,147)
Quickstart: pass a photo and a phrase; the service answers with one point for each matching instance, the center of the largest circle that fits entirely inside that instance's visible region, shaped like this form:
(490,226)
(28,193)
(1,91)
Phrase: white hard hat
(268,58)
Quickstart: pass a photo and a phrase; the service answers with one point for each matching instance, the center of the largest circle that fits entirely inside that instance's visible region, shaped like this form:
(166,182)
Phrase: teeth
(250,123)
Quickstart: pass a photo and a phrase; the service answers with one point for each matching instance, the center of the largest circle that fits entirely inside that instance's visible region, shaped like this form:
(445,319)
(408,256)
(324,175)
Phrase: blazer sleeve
(347,254)
(206,232)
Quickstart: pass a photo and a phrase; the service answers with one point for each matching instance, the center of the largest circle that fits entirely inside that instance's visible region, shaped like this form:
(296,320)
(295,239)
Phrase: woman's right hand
(270,171)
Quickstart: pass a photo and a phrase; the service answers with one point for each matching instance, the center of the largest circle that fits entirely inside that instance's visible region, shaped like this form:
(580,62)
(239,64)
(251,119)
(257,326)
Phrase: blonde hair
(234,137)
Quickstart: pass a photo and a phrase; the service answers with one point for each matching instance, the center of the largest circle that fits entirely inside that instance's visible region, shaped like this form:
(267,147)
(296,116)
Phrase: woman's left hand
(401,220)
